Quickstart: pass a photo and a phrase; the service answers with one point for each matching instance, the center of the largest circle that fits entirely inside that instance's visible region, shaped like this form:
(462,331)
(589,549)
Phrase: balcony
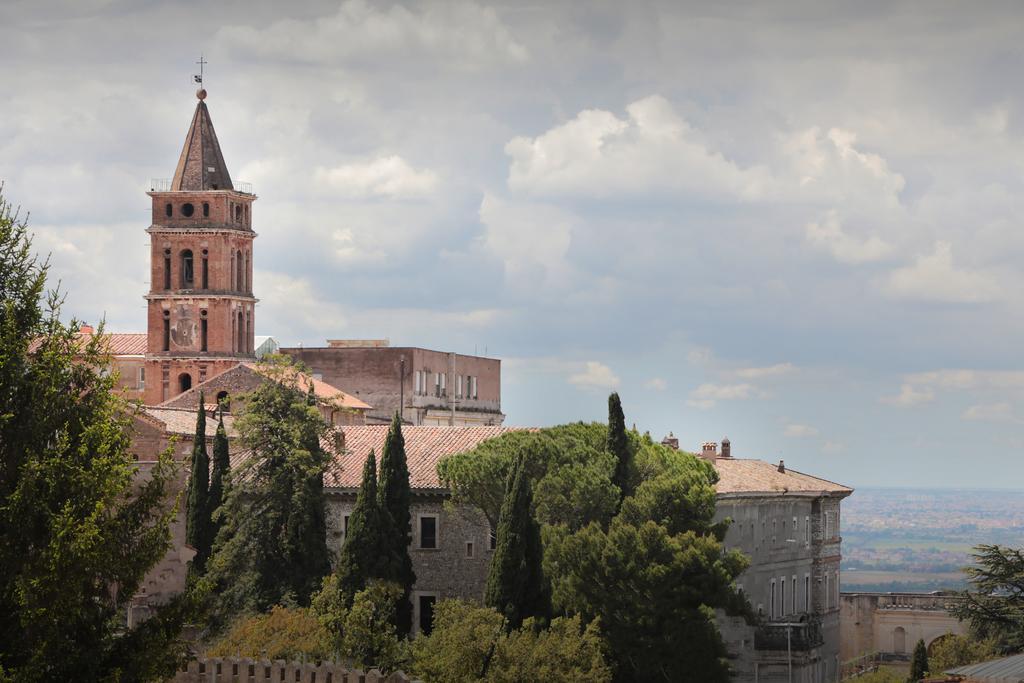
(801,636)
(164,185)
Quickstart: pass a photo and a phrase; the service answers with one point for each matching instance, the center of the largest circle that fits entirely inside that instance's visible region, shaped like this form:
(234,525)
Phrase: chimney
(671,441)
(709,450)
(86,329)
(782,466)
(726,447)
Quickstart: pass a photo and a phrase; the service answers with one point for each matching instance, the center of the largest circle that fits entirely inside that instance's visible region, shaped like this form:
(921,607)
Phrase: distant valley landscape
(904,539)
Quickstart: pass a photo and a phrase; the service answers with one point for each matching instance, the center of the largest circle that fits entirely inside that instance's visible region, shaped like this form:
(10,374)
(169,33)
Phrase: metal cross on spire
(202,62)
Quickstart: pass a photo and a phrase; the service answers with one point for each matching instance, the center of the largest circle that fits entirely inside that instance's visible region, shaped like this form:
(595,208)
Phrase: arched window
(169,210)
(167,268)
(224,401)
(241,273)
(187,271)
(206,209)
(234,259)
(248,272)
(206,269)
(203,328)
(241,334)
(238,213)
(184,382)
(899,640)
(167,331)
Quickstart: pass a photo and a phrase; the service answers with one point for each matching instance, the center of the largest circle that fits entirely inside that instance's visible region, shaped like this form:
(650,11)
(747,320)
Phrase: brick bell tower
(201,307)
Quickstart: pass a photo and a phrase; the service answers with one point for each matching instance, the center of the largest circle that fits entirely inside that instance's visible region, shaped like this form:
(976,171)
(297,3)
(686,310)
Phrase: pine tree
(395,497)
(919,662)
(618,445)
(78,529)
(367,551)
(221,469)
(515,583)
(197,512)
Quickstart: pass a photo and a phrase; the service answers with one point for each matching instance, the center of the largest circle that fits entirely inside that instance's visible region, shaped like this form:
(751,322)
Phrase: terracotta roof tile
(424,448)
(738,476)
(118,343)
(182,421)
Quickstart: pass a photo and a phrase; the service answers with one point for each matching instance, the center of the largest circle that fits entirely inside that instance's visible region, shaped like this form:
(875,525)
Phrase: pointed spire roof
(201,166)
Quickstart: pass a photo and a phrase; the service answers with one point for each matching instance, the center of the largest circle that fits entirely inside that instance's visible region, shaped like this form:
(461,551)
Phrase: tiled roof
(322,389)
(1005,670)
(201,165)
(424,448)
(756,476)
(182,421)
(118,343)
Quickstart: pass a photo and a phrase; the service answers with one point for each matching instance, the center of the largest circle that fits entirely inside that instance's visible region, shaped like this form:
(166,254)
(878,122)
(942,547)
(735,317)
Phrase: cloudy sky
(796,224)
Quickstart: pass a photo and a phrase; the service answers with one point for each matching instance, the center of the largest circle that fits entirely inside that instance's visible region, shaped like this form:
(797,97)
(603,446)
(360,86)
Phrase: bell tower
(200,301)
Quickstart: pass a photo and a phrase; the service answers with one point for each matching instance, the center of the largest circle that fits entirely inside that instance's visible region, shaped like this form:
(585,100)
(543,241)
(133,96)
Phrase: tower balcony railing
(795,635)
(164,185)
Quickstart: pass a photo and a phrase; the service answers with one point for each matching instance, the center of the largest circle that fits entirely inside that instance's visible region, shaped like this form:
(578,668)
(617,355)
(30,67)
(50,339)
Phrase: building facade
(433,388)
(201,307)
(890,624)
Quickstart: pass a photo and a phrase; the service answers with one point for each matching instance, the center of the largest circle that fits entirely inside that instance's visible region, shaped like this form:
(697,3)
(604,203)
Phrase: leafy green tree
(515,584)
(394,497)
(953,650)
(619,446)
(370,637)
(469,643)
(270,549)
(197,511)
(994,605)
(221,469)
(79,527)
(288,633)
(919,662)
(654,593)
(367,553)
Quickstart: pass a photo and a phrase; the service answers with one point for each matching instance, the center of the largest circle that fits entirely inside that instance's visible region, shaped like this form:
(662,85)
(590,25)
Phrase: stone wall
(245,670)
(892,623)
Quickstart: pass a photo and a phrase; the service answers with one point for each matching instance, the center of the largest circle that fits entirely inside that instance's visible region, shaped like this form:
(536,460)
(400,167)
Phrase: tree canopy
(994,604)
(197,506)
(395,498)
(606,561)
(78,528)
(271,548)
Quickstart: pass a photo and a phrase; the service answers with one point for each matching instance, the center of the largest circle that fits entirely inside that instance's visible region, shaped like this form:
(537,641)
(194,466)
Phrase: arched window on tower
(203,328)
(167,331)
(248,271)
(238,213)
(187,271)
(234,260)
(167,268)
(241,270)
(206,209)
(184,382)
(169,210)
(240,344)
(206,269)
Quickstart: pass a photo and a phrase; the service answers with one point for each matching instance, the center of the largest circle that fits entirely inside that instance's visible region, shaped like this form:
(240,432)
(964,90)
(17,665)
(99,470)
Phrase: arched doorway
(899,640)
(184,382)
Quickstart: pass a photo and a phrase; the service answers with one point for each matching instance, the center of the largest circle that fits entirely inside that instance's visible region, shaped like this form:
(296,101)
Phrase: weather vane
(199,76)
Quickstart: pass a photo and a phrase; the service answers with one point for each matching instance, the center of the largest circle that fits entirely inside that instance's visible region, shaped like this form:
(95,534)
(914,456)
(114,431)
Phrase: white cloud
(990,412)
(909,396)
(388,177)
(766,371)
(961,379)
(708,394)
(463,35)
(700,356)
(799,431)
(531,239)
(933,277)
(829,236)
(656,384)
(595,375)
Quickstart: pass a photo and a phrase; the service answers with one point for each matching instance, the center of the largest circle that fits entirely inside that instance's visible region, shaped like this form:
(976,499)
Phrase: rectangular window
(492,541)
(796,525)
(469,549)
(206,273)
(344,525)
(167,272)
(828,593)
(807,531)
(202,329)
(167,333)
(426,613)
(774,536)
(473,383)
(807,592)
(792,598)
(142,378)
(444,384)
(458,386)
(437,384)
(428,532)
(418,382)
(782,596)
(771,602)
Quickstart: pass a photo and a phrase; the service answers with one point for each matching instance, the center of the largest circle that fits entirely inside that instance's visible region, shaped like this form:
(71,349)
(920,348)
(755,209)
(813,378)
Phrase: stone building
(437,388)
(787,523)
(890,624)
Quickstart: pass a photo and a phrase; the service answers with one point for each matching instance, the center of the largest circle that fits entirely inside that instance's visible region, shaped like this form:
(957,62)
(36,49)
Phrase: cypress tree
(197,520)
(394,497)
(221,469)
(515,583)
(618,445)
(366,553)
(919,662)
